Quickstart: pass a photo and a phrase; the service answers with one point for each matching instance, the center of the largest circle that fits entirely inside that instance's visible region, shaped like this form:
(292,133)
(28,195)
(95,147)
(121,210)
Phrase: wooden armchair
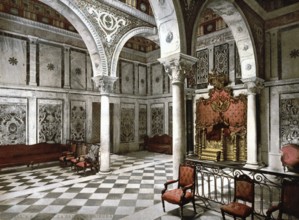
(184,193)
(244,191)
(90,160)
(69,154)
(289,200)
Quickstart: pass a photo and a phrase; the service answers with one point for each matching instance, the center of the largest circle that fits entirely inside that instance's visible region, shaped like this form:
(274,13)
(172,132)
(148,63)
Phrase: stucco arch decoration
(167,25)
(70,10)
(134,32)
(242,35)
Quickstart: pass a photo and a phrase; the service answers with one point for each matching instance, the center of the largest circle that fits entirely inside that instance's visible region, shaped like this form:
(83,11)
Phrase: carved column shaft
(253,87)
(177,66)
(105,85)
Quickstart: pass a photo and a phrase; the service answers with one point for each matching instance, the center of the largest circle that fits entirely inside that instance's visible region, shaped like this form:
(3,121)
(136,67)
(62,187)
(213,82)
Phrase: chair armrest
(271,210)
(170,182)
(185,188)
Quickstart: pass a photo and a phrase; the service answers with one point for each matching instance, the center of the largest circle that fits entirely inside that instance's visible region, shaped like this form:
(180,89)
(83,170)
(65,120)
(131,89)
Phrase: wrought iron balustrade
(216,184)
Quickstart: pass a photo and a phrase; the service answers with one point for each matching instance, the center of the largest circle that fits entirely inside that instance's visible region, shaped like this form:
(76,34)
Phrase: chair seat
(174,196)
(83,164)
(237,209)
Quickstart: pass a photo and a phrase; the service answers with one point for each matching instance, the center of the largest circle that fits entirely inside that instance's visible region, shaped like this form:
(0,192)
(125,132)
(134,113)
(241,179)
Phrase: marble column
(253,85)
(177,66)
(66,67)
(105,85)
(32,54)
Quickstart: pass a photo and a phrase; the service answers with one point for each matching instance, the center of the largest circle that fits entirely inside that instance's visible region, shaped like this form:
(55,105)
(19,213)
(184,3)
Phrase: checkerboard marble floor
(131,191)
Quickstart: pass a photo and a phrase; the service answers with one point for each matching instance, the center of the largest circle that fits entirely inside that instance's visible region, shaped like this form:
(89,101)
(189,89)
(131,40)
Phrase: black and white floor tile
(131,191)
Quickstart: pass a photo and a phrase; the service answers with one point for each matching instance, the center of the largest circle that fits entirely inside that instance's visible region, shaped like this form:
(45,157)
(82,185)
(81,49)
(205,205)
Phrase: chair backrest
(93,152)
(186,175)
(244,188)
(290,197)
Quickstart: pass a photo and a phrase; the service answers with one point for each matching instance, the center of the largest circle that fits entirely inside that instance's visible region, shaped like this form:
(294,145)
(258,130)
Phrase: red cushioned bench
(290,157)
(22,154)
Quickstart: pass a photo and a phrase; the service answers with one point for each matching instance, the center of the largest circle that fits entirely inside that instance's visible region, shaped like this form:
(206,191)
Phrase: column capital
(178,66)
(254,85)
(105,83)
(33,39)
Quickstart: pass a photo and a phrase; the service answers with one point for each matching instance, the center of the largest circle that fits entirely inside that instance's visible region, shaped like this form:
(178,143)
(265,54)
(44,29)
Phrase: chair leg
(193,201)
(223,215)
(182,213)
(163,205)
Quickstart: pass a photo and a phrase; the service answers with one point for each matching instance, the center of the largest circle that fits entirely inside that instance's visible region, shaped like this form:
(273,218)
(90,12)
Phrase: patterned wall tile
(12,123)
(127,125)
(78,120)
(49,121)
(157,119)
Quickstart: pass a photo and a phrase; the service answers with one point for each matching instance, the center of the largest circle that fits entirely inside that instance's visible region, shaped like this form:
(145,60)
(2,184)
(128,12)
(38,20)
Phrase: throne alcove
(221,123)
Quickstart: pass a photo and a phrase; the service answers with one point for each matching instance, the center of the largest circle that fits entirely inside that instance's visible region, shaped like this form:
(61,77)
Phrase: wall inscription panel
(13,61)
(50,66)
(49,121)
(12,123)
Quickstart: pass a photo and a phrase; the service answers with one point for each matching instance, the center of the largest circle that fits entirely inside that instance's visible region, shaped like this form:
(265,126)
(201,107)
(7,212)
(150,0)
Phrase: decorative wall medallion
(12,124)
(294,53)
(142,81)
(157,79)
(51,66)
(78,71)
(169,37)
(127,78)
(50,123)
(13,61)
(108,22)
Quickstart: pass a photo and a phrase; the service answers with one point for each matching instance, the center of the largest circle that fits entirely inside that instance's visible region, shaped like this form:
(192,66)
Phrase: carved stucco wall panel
(49,121)
(142,121)
(127,125)
(13,121)
(157,119)
(78,121)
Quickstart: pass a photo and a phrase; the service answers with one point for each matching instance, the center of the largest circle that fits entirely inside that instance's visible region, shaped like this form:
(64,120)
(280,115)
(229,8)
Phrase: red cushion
(237,209)
(174,196)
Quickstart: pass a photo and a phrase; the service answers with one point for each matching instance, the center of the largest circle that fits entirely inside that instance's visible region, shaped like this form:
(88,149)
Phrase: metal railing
(215,184)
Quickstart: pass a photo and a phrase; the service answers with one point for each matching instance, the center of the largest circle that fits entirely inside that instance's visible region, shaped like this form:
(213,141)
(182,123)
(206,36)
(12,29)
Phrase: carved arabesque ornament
(105,83)
(108,22)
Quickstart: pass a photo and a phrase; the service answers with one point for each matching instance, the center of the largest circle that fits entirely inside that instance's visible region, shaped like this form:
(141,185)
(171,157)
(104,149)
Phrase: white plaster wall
(12,49)
(50,55)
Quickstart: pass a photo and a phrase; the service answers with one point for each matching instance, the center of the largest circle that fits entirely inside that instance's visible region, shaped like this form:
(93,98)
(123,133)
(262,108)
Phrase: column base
(253,166)
(32,84)
(104,172)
